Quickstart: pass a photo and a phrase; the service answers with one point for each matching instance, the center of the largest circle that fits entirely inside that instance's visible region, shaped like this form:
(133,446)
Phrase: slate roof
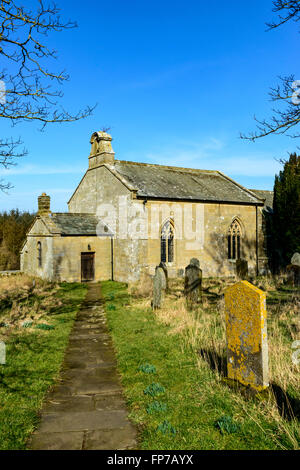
(166,182)
(267,195)
(67,224)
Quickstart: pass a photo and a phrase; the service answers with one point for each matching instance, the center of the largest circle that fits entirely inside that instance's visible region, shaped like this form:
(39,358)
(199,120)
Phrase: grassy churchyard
(35,321)
(173,365)
(172,362)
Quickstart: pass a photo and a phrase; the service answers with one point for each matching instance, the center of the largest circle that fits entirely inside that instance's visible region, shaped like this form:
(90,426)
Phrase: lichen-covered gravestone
(241,267)
(246,332)
(159,287)
(193,283)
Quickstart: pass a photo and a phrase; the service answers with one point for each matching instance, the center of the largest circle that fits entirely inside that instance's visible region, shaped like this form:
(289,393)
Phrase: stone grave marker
(246,333)
(159,287)
(241,267)
(180,273)
(295,261)
(193,283)
(295,268)
(165,270)
(2,353)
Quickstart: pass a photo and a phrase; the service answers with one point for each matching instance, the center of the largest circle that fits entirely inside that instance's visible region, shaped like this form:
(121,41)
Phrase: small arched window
(167,243)
(39,250)
(234,240)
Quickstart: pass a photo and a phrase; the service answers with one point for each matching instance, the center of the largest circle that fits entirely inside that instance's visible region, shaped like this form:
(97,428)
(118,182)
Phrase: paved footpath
(86,409)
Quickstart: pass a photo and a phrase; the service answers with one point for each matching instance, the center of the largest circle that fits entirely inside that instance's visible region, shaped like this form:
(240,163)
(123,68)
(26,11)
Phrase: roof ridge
(243,188)
(167,167)
(73,213)
(50,224)
(262,190)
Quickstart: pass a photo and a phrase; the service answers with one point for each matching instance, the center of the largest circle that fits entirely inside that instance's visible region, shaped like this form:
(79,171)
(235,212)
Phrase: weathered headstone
(193,283)
(162,274)
(2,353)
(293,270)
(165,270)
(246,332)
(180,273)
(241,267)
(159,287)
(295,262)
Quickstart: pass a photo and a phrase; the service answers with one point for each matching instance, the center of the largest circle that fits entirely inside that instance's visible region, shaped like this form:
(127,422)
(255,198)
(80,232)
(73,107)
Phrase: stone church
(126,217)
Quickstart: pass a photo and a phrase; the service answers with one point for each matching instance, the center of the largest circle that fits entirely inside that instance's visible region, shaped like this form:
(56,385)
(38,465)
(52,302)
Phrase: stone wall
(61,257)
(100,192)
(263,261)
(67,257)
(211,249)
(100,187)
(29,257)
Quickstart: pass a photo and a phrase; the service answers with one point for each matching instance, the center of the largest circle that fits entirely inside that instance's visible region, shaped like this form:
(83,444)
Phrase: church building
(126,217)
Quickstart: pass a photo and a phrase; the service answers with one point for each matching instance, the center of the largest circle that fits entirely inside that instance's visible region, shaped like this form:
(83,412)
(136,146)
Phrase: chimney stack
(44,204)
(101,151)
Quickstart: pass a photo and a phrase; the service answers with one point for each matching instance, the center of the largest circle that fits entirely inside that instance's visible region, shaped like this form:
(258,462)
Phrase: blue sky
(175,81)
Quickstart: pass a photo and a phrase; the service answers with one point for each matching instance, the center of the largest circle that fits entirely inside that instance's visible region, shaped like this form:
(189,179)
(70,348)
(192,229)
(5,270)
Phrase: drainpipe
(112,257)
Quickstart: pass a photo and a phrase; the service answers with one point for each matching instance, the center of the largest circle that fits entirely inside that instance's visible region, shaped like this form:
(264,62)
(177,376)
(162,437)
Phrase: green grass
(200,411)
(33,360)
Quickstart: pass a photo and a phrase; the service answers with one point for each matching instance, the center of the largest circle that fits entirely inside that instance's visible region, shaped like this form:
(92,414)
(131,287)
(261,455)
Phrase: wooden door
(87,267)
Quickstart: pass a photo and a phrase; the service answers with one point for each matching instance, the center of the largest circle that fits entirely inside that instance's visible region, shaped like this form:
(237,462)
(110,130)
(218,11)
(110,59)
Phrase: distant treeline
(13,228)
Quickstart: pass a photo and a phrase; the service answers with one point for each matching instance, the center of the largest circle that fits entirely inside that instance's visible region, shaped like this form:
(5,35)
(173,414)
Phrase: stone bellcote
(44,204)
(101,151)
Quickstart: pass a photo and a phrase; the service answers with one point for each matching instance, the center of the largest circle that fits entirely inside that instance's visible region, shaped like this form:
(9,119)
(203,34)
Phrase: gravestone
(193,283)
(159,287)
(180,273)
(295,261)
(294,270)
(246,333)
(165,270)
(2,353)
(241,267)
(162,274)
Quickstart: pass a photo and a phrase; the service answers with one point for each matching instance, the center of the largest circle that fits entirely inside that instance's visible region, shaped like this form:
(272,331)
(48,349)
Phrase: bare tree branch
(290,11)
(25,56)
(286,116)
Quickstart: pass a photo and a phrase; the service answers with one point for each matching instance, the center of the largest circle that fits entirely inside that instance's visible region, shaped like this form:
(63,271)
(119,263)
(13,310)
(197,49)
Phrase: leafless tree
(286,116)
(287,10)
(27,86)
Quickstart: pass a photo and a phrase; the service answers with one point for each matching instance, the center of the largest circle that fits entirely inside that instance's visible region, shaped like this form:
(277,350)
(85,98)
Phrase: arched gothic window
(39,250)
(234,240)
(167,243)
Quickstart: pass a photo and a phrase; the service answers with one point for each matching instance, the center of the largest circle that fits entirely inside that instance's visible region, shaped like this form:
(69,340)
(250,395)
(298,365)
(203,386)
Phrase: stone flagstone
(246,331)
(86,409)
